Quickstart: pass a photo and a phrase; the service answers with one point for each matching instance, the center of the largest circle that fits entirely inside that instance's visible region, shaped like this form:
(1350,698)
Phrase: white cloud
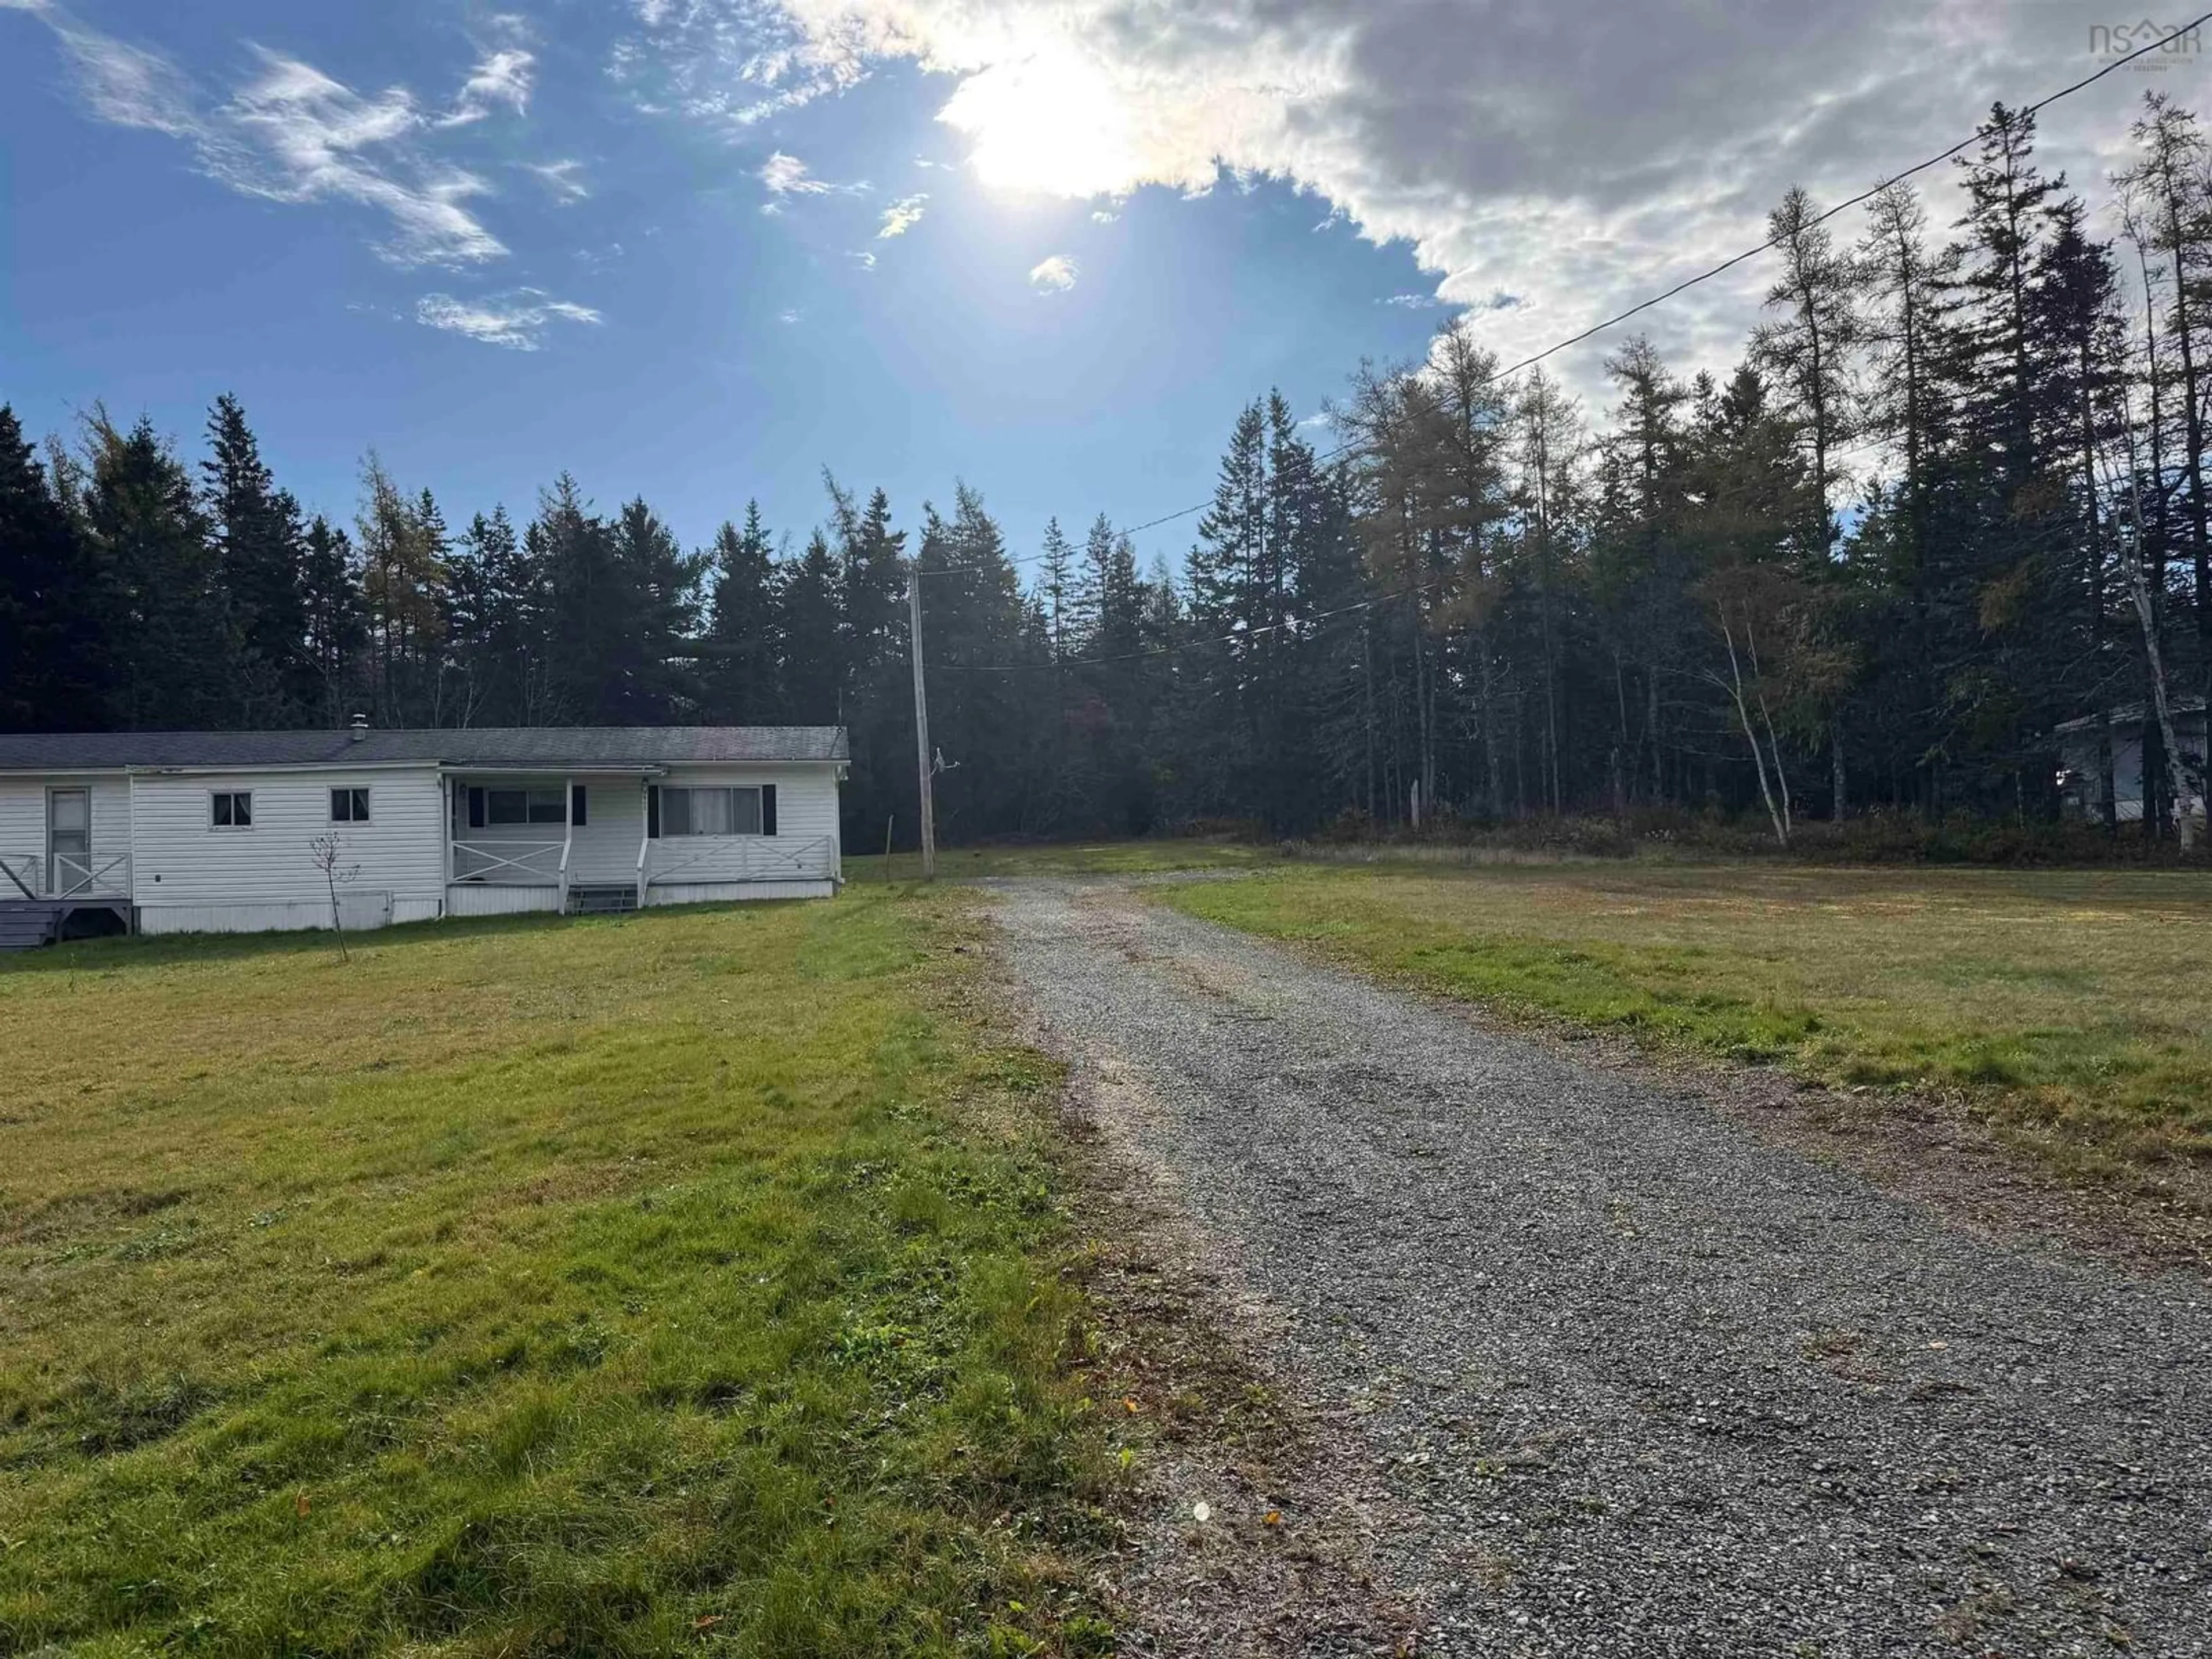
(731,63)
(1578,159)
(1412,302)
(291,134)
(312,138)
(902,216)
(1102,216)
(517,320)
(862,257)
(561,178)
(1053,276)
(500,77)
(787,175)
(124,84)
(789,317)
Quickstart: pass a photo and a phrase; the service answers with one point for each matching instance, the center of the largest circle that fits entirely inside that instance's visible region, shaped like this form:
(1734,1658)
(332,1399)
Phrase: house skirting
(722,892)
(362,912)
(491,898)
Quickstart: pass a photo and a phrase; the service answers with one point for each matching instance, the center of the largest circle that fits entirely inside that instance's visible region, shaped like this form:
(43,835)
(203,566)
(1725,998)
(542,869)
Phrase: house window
(348,806)
(231,809)
(710,811)
(523,806)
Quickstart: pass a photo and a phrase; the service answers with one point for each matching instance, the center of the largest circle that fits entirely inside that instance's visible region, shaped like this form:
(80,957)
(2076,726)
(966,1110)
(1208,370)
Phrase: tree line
(1953,494)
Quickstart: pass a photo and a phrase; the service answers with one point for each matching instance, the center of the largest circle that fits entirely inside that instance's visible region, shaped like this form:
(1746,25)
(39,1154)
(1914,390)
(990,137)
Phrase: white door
(69,841)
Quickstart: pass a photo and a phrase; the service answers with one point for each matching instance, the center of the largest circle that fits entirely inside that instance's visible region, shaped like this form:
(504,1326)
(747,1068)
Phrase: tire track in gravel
(1628,1379)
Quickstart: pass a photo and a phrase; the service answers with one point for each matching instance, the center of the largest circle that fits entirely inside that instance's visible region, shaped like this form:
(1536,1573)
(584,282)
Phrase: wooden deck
(26,924)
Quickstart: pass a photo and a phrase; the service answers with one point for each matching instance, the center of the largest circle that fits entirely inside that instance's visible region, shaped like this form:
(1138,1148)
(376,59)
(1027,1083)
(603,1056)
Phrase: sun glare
(1049,122)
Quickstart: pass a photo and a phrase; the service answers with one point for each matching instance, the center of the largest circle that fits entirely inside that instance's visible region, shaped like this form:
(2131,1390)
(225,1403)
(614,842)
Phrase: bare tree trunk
(1735,689)
(2154,658)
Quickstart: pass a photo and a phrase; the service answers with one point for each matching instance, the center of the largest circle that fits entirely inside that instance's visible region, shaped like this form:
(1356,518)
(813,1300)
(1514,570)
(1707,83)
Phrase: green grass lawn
(1105,857)
(2071,1007)
(683,1282)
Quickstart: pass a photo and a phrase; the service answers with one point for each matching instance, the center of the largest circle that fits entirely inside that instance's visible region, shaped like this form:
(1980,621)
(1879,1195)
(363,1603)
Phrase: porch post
(568,835)
(447,797)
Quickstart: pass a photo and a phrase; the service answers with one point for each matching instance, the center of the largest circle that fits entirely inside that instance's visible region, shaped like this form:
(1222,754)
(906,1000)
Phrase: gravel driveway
(1630,1380)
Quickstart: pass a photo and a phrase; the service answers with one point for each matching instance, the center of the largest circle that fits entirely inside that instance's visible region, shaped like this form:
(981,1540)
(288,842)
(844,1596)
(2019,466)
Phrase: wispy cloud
(559,178)
(902,216)
(1102,216)
(789,317)
(315,139)
(290,134)
(124,84)
(517,320)
(733,63)
(862,257)
(500,77)
(787,175)
(1412,302)
(1053,276)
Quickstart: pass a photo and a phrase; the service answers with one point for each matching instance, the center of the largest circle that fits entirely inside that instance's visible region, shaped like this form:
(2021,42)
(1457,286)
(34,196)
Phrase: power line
(1687,283)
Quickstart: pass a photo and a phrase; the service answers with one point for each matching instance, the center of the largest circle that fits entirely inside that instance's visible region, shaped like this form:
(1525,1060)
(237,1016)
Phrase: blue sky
(642,240)
(736,352)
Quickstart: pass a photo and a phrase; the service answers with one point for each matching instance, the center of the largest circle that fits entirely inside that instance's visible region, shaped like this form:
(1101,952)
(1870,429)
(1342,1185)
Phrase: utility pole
(921,723)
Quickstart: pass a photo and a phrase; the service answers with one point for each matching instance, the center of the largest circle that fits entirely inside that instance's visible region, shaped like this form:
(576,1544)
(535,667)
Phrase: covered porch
(519,841)
(601,840)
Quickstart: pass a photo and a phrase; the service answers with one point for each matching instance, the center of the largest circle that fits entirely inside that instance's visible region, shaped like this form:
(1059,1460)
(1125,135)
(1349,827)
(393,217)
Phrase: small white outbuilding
(217,831)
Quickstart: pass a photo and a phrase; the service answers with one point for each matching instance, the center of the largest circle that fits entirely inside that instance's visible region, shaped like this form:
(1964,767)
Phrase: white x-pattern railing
(515,863)
(33,875)
(708,859)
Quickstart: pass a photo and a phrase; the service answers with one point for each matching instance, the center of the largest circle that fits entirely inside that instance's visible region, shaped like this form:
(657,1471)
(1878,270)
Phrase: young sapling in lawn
(325,850)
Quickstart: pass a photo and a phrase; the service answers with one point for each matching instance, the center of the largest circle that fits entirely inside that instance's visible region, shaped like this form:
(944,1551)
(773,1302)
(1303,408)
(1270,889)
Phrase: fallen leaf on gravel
(1131,1403)
(1272,1518)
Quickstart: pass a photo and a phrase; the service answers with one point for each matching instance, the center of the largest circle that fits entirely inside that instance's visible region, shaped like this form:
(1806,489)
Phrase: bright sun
(1046,122)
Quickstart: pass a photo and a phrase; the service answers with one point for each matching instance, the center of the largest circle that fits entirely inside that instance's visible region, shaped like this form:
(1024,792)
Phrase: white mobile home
(215,831)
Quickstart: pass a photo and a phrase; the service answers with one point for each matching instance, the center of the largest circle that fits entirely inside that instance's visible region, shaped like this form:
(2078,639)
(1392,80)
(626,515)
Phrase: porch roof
(549,748)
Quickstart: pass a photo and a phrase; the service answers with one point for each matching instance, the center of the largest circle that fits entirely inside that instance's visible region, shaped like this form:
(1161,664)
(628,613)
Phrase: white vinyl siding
(23,818)
(270,868)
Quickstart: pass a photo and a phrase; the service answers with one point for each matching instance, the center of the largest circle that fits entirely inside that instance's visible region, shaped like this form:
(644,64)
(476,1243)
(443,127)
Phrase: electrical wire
(1687,283)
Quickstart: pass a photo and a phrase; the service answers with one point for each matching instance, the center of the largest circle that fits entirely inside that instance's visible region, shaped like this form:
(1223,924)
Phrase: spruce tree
(160,598)
(742,686)
(53,658)
(259,548)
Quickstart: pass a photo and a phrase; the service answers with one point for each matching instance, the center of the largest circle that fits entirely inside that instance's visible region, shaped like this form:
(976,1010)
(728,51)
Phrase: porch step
(26,924)
(601,898)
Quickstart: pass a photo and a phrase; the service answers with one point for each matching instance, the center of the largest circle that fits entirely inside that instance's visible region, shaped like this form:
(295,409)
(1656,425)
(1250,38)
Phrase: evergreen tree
(813,660)
(661,674)
(258,542)
(744,627)
(160,605)
(53,657)
(336,625)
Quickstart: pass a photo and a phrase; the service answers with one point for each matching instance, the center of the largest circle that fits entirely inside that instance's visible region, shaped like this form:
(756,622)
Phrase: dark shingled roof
(578,747)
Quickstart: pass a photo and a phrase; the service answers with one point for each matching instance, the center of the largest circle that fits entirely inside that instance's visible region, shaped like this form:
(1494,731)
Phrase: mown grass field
(677,1283)
(2071,1007)
(1110,858)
